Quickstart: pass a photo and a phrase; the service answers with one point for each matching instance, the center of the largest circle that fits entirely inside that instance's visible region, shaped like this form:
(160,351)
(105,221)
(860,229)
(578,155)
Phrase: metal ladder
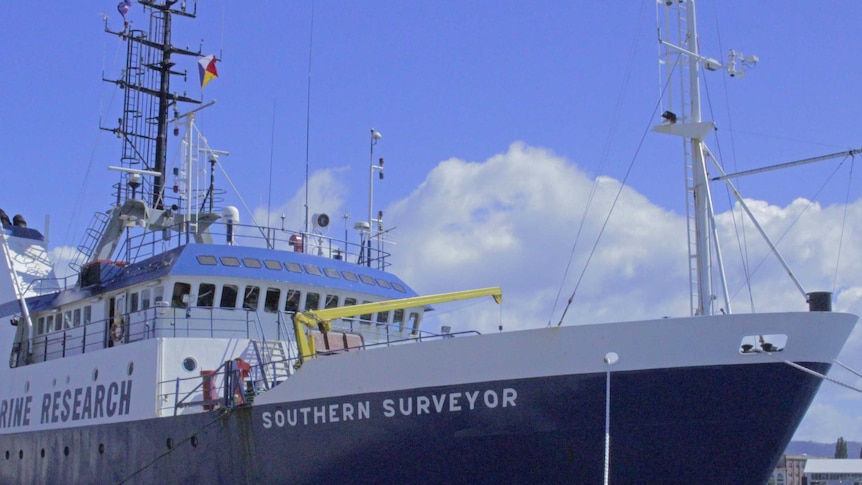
(676,32)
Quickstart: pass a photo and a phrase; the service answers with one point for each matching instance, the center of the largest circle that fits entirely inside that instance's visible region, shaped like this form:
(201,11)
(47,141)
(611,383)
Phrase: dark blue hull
(724,424)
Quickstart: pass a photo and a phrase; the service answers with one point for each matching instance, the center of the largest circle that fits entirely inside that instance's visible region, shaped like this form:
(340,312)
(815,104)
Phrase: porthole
(195,441)
(95,375)
(101,448)
(66,451)
(42,453)
(7,454)
(54,382)
(170,443)
(20,454)
(68,379)
(190,364)
(130,368)
(27,386)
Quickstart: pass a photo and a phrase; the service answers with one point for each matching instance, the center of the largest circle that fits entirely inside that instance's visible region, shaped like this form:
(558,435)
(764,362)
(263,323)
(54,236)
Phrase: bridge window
(331,301)
(291,304)
(67,319)
(272,264)
(312,301)
(229,261)
(158,294)
(180,298)
(398,319)
(145,299)
(382,318)
(40,326)
(76,317)
(293,267)
(88,313)
(228,296)
(251,297)
(206,294)
(399,287)
(207,260)
(366,279)
(331,272)
(270,304)
(251,262)
(383,283)
(313,269)
(134,299)
(350,276)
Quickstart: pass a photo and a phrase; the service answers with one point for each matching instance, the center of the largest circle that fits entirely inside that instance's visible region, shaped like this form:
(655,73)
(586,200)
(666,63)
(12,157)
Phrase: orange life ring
(118,329)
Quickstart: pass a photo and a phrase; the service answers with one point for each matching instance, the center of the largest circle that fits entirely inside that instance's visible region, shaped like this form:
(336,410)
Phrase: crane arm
(322,319)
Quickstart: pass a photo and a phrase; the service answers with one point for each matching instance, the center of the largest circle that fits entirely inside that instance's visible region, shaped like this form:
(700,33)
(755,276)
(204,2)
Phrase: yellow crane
(322,319)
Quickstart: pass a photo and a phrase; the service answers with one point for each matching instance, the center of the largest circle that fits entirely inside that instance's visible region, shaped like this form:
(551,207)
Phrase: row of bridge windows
(249,298)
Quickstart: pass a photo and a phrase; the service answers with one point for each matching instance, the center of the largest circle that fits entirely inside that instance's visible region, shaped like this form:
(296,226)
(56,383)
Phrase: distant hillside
(821,450)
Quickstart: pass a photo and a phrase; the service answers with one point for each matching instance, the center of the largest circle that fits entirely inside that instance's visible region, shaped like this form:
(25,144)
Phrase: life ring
(118,329)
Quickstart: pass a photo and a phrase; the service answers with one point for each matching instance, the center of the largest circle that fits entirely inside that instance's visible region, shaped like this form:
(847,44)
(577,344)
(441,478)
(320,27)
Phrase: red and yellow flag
(207,70)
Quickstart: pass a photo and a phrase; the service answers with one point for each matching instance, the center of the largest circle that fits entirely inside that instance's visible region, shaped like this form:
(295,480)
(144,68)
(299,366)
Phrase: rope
(171,450)
(819,375)
(602,162)
(848,368)
(822,376)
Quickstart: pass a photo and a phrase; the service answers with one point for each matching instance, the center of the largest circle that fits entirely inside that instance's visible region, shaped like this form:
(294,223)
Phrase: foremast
(680,62)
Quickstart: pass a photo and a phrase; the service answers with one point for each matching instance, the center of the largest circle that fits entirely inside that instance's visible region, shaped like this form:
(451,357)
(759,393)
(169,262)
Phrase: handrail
(140,246)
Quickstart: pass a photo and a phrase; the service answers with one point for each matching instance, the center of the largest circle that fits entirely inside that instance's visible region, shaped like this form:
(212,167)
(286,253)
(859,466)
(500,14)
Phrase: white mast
(681,61)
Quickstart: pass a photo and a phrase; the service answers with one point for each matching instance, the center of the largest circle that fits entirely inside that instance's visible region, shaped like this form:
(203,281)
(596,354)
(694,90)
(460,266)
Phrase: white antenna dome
(231,214)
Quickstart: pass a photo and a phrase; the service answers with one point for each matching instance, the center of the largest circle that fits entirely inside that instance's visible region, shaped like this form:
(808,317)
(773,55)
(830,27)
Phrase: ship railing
(237,382)
(373,333)
(44,286)
(150,243)
(163,321)
(153,322)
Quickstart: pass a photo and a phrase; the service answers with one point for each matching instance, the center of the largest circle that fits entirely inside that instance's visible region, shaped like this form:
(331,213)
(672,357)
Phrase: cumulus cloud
(512,221)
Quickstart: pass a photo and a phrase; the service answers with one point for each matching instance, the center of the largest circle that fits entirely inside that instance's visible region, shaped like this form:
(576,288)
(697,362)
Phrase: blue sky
(496,118)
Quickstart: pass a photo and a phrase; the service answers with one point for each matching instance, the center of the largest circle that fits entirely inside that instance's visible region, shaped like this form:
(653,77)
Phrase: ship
(190,347)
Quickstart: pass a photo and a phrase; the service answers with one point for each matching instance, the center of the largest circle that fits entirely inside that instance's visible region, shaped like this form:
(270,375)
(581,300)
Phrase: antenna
(271,150)
(308,114)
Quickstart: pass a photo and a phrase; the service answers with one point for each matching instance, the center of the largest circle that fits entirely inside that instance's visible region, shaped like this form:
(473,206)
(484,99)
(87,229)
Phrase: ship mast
(680,62)
(140,199)
(148,100)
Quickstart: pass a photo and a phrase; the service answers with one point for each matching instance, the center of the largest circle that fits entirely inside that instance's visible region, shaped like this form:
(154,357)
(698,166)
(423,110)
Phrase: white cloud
(512,220)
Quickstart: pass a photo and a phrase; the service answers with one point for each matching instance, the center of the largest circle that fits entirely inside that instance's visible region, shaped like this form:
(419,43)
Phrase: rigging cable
(602,163)
(739,225)
(617,196)
(271,154)
(843,225)
(795,220)
(308,113)
(87,172)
